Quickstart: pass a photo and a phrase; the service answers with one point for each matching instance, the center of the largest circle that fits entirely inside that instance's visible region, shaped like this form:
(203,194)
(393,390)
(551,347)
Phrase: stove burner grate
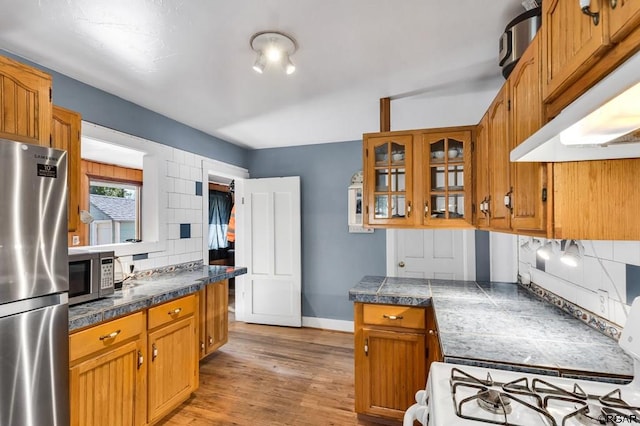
(494,402)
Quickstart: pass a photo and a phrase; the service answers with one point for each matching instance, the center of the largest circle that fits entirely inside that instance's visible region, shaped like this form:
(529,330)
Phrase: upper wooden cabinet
(577,53)
(388,179)
(481,174)
(418,178)
(528,180)
(445,168)
(572,42)
(624,16)
(25,103)
(597,200)
(498,150)
(65,134)
(512,196)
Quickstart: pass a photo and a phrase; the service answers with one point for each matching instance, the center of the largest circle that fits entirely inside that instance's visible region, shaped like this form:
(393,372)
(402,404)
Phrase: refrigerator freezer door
(33,221)
(34,378)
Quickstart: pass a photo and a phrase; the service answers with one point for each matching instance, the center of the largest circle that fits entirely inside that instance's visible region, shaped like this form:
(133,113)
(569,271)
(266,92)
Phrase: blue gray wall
(333,260)
(105,109)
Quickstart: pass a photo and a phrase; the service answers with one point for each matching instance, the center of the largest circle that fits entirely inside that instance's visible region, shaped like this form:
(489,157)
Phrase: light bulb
(274,54)
(545,251)
(260,63)
(289,67)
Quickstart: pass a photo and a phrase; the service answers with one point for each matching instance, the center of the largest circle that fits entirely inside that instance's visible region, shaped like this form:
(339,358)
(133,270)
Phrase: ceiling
(190,60)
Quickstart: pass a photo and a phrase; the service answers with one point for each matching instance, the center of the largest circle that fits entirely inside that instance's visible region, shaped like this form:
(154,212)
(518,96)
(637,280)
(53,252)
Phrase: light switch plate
(603,303)
(75,240)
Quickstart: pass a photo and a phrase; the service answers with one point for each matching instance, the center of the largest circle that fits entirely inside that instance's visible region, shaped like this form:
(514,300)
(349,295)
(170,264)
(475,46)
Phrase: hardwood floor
(270,375)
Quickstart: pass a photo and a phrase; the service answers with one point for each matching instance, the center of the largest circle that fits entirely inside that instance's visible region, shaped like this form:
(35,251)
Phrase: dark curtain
(220,204)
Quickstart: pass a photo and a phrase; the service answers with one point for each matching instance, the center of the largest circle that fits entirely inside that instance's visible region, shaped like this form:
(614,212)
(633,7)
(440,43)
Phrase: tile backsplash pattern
(599,323)
(181,174)
(604,283)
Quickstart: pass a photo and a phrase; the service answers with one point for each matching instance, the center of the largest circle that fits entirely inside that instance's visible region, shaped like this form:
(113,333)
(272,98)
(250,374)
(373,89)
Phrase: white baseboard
(328,324)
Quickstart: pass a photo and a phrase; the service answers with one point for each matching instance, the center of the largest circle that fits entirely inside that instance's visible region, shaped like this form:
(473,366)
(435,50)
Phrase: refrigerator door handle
(26,305)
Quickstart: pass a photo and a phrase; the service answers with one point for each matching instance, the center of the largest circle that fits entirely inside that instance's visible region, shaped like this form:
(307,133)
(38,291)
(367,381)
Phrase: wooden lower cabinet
(214,317)
(391,361)
(134,370)
(173,360)
(107,374)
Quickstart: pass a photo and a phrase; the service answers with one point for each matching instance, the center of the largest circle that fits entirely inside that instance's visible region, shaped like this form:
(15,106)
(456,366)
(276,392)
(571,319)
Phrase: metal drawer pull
(110,335)
(392,317)
(176,311)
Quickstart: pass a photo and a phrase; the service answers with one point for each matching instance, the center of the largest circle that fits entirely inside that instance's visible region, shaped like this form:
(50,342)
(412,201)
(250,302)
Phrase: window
(115,209)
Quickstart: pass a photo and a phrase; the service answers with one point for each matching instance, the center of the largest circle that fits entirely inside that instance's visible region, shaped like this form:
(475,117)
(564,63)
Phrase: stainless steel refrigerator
(34,310)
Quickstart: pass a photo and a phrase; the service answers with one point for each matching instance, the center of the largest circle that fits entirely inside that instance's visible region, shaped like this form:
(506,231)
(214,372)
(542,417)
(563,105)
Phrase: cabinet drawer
(394,315)
(171,311)
(105,335)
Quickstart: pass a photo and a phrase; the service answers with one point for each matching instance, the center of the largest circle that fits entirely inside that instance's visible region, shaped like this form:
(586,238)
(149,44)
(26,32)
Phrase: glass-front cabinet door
(445,168)
(388,182)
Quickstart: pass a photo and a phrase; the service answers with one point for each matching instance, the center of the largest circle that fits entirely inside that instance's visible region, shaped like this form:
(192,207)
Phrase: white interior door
(268,235)
(427,253)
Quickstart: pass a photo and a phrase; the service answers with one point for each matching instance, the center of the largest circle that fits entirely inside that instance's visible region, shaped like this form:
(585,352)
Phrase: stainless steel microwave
(91,274)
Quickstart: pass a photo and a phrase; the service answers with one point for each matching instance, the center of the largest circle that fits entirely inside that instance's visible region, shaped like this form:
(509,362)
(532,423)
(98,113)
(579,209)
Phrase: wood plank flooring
(270,375)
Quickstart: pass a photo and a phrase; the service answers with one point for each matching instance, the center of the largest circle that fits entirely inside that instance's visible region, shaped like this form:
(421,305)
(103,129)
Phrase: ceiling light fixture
(273,48)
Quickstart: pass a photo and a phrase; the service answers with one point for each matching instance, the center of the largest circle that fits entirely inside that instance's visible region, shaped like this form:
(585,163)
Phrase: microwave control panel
(106,275)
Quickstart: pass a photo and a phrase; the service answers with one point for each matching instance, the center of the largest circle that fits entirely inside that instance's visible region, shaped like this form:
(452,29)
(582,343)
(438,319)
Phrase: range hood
(601,124)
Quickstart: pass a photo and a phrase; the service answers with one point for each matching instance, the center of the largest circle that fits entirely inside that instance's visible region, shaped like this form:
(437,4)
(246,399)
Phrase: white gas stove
(465,395)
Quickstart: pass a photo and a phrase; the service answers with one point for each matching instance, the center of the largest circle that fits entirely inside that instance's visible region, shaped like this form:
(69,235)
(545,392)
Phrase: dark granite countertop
(142,293)
(503,325)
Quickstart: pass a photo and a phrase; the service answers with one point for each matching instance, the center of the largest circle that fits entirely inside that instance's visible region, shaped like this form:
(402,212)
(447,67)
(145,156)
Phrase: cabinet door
(446,172)
(596,200)
(498,162)
(434,353)
(624,16)
(572,42)
(65,133)
(388,182)
(108,390)
(217,316)
(481,173)
(25,103)
(394,370)
(528,180)
(173,370)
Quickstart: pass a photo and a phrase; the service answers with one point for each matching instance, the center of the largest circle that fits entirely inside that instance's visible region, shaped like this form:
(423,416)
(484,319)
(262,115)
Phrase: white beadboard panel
(627,252)
(600,249)
(185,171)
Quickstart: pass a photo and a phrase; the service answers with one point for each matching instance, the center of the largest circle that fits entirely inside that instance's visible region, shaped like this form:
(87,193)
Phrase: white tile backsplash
(179,171)
(597,284)
(627,252)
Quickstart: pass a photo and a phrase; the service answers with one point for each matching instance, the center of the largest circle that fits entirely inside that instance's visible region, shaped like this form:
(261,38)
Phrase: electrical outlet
(75,240)
(603,303)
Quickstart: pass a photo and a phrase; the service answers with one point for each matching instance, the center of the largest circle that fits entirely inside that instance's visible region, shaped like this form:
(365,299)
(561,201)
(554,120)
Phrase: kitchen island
(504,326)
